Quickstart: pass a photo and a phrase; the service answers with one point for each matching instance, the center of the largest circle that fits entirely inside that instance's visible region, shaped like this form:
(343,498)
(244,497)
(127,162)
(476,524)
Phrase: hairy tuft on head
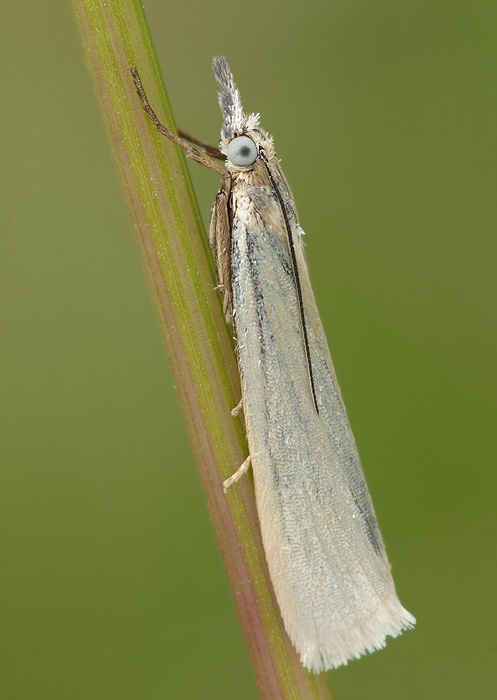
(229,97)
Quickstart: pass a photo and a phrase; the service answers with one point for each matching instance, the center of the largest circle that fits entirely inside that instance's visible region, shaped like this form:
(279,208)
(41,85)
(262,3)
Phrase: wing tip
(340,647)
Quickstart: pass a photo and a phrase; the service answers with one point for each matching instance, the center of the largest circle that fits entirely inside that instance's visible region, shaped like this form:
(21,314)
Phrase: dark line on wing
(296,276)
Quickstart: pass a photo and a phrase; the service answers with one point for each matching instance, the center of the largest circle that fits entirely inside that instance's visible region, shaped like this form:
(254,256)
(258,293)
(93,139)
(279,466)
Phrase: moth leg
(193,153)
(237,475)
(213,224)
(238,408)
(208,147)
(220,241)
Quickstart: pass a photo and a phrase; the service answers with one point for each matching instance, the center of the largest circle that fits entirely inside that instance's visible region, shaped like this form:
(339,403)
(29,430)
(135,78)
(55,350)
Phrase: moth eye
(242,151)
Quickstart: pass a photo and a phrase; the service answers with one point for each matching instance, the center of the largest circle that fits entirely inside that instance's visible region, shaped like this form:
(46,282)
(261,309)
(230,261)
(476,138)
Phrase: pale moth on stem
(324,550)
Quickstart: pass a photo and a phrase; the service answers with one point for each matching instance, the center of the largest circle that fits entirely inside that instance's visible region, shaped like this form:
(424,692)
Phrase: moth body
(323,547)
(324,550)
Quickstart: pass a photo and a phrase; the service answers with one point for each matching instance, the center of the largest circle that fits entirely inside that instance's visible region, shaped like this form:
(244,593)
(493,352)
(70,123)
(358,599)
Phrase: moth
(324,550)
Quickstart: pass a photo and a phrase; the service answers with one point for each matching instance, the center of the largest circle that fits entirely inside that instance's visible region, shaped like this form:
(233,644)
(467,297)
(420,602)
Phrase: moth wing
(325,555)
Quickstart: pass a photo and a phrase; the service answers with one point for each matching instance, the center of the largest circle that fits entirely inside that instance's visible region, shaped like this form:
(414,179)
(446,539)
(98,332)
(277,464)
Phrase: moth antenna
(200,157)
(229,97)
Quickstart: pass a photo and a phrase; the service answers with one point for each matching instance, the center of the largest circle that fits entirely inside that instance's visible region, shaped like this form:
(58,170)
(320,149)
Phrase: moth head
(241,139)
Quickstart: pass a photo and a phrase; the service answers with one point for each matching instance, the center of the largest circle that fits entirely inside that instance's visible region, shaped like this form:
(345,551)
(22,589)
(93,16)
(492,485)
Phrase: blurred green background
(384,116)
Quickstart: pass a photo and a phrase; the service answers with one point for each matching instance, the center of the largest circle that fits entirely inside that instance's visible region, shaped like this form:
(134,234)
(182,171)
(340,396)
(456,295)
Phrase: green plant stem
(181,276)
